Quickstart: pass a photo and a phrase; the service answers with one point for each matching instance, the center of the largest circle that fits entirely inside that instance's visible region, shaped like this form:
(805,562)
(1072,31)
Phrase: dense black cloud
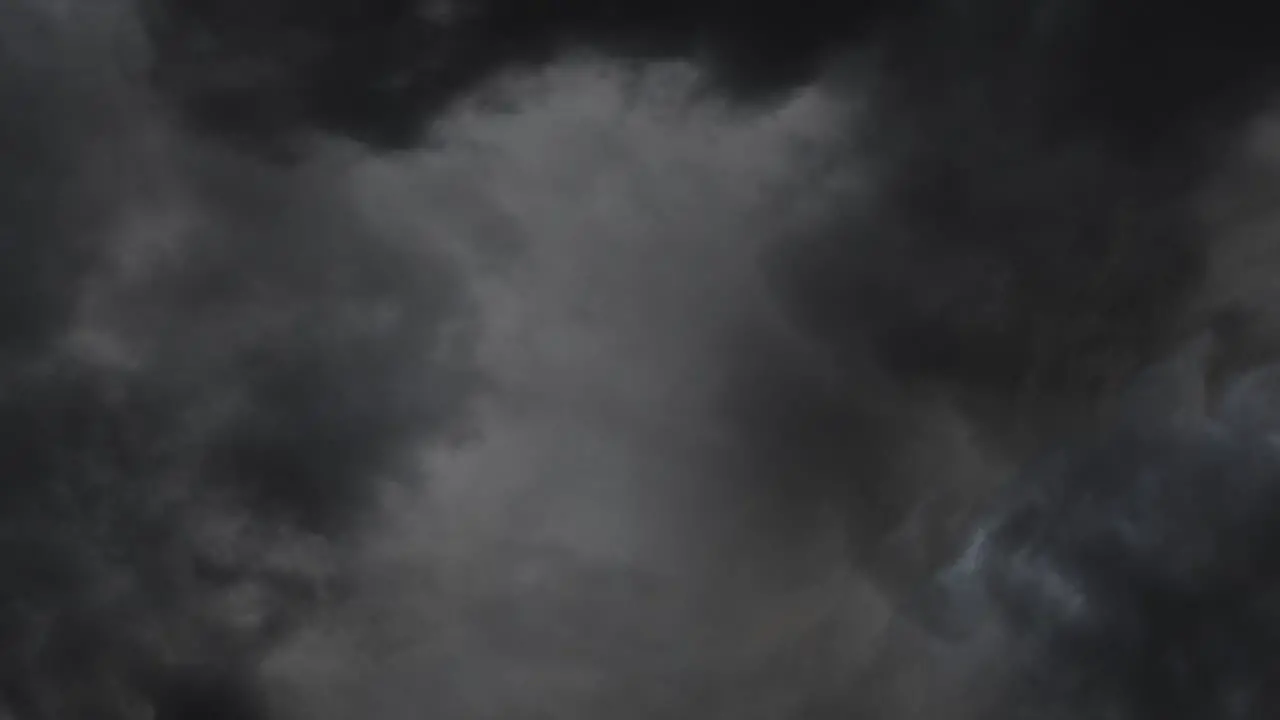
(1134,567)
(265,72)
(1035,173)
(1034,164)
(379,70)
(1028,242)
(189,410)
(1024,234)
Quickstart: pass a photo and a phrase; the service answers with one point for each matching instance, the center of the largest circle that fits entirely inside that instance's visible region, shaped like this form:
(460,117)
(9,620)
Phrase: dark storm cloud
(211,361)
(210,366)
(378,71)
(1034,173)
(1022,234)
(265,72)
(1030,226)
(1133,568)
(1026,239)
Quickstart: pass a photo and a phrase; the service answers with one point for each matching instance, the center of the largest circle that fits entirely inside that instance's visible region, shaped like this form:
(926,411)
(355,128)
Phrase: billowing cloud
(576,359)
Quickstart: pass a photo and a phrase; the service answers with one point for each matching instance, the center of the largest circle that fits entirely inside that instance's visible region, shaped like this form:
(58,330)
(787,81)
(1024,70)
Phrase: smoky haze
(566,359)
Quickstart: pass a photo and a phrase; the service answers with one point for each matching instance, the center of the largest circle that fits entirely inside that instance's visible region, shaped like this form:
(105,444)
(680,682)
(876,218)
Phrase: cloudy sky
(405,360)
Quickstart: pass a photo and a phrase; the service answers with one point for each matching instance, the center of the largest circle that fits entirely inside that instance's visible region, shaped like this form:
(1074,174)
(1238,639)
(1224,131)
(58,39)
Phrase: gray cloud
(211,365)
(681,394)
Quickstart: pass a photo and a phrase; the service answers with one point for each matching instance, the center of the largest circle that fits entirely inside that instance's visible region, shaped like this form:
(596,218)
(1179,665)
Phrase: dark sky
(578,359)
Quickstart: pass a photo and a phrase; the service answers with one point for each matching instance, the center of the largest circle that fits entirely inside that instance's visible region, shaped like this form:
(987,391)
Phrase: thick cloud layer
(265,72)
(596,549)
(685,391)
(1131,569)
(210,366)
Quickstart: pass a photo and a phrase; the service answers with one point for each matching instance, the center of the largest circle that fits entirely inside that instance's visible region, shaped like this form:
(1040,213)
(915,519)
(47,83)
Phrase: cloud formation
(694,334)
